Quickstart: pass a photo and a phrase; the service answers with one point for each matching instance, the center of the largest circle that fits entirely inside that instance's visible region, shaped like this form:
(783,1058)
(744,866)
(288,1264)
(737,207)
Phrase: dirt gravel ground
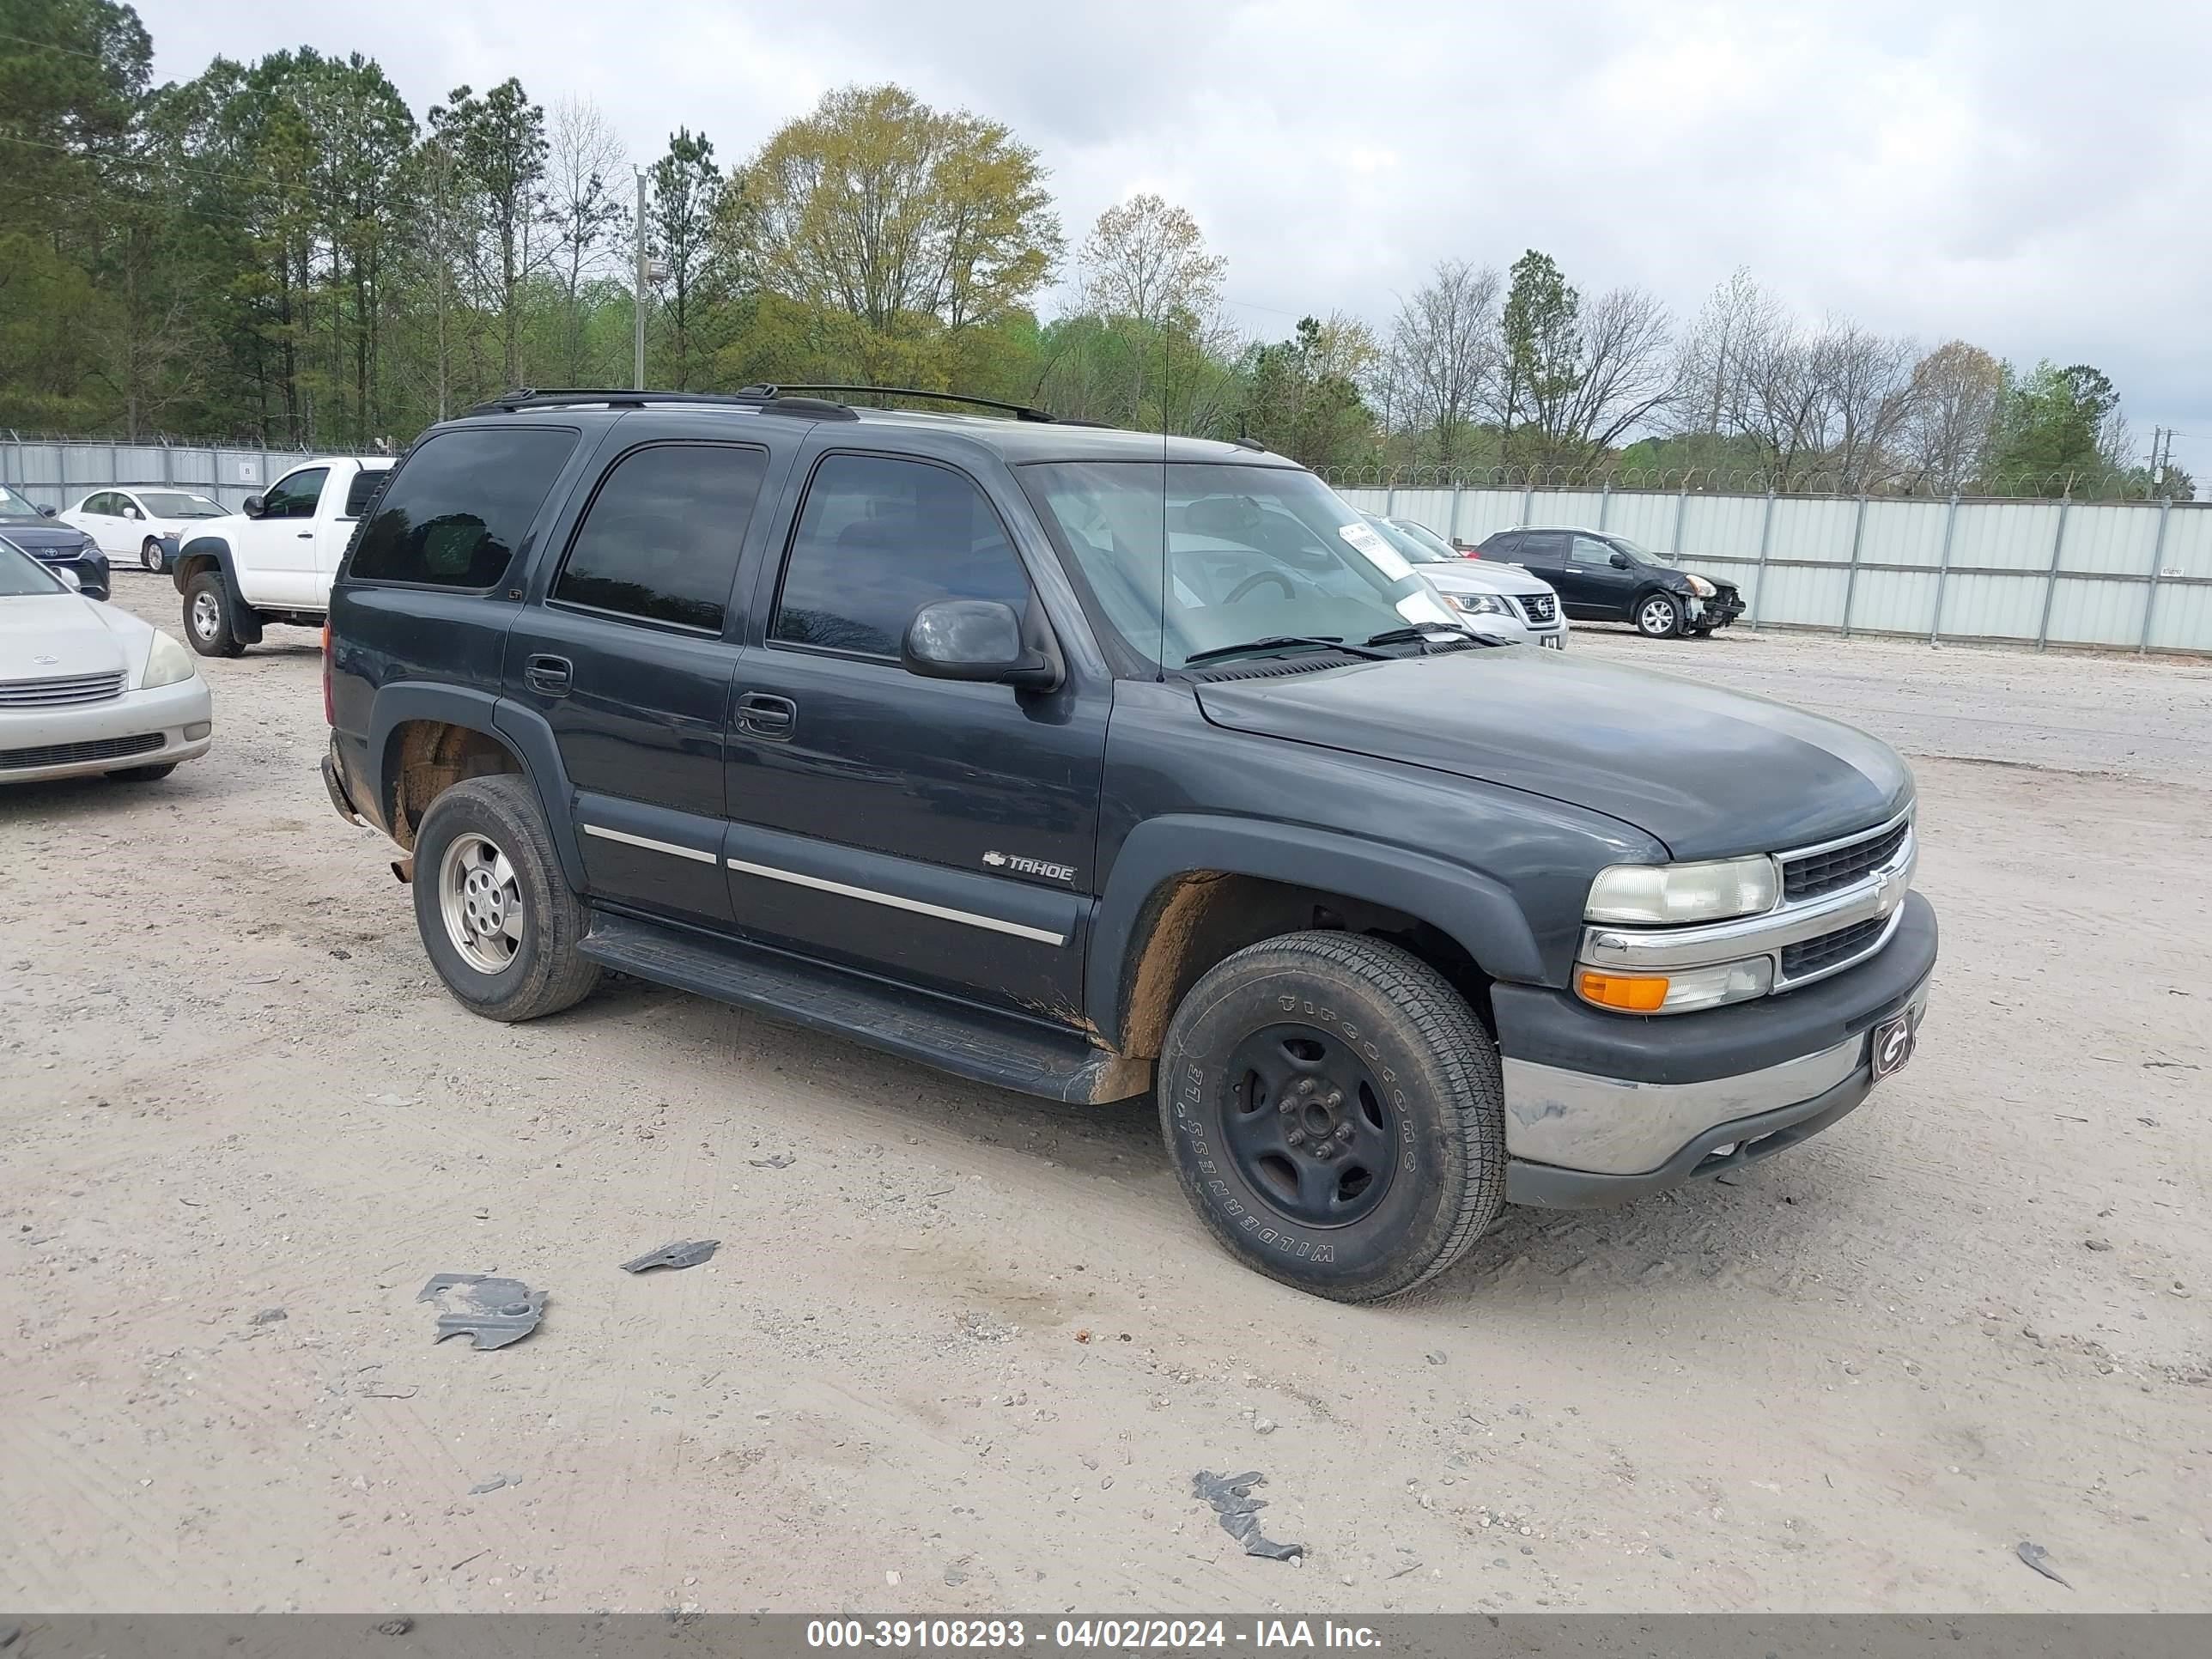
(964,1351)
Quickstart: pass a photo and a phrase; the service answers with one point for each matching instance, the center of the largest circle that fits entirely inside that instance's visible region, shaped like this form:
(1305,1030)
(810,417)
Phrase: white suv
(274,562)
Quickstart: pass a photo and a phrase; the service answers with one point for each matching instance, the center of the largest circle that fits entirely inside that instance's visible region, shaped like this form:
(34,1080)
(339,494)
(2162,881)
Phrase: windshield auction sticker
(1377,551)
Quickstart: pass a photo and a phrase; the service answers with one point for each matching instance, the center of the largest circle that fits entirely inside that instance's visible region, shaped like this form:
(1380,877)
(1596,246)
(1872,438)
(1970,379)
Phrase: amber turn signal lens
(1634,993)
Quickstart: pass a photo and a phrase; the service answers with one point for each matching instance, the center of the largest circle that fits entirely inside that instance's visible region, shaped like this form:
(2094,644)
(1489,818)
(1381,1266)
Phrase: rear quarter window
(363,491)
(460,505)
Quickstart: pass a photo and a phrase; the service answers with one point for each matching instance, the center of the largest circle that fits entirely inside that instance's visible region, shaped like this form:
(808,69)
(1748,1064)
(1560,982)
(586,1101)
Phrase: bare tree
(1954,415)
(1444,343)
(1624,374)
(1867,401)
(585,202)
(1737,318)
(1148,260)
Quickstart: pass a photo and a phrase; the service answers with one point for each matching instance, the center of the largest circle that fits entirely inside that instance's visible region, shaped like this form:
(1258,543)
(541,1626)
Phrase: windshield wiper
(1278,642)
(1420,632)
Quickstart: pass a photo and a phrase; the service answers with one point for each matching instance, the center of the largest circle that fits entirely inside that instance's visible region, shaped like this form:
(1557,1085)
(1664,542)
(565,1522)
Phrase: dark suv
(1087,763)
(1607,578)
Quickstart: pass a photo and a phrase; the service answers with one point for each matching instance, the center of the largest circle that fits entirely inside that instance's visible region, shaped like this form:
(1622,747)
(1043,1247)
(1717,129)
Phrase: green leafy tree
(1302,397)
(910,224)
(684,207)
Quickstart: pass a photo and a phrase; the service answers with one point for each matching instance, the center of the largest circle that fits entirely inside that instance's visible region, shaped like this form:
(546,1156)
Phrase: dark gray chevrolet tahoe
(1089,763)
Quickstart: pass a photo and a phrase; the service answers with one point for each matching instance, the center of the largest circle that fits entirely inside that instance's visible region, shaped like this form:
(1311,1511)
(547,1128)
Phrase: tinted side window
(460,505)
(661,539)
(878,539)
(363,486)
(1591,551)
(295,495)
(1550,548)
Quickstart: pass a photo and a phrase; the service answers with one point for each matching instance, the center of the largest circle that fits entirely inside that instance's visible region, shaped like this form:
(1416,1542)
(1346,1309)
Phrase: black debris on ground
(1231,1495)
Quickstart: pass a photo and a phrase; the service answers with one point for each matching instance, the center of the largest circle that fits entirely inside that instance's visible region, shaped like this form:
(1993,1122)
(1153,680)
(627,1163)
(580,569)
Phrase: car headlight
(1662,895)
(1477,604)
(1702,589)
(166,664)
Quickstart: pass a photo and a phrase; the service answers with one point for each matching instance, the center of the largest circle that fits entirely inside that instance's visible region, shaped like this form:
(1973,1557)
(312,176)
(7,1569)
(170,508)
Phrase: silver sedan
(86,688)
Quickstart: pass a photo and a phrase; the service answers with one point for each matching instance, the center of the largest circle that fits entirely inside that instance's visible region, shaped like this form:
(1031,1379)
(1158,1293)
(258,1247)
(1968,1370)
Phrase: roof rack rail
(631,398)
(1019,411)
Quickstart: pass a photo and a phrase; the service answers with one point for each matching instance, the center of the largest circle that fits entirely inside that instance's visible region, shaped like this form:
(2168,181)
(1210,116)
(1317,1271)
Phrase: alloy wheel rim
(1658,616)
(207,618)
(1308,1126)
(150,554)
(481,901)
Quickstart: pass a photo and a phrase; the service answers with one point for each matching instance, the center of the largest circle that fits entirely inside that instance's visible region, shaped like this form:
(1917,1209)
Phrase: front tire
(1334,1110)
(149,554)
(207,618)
(1658,616)
(145,773)
(497,916)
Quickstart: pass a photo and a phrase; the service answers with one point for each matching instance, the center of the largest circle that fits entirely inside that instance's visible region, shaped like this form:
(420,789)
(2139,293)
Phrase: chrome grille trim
(60,690)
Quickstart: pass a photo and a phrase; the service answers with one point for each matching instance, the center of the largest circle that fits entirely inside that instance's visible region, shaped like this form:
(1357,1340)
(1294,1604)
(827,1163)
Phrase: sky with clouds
(2034,178)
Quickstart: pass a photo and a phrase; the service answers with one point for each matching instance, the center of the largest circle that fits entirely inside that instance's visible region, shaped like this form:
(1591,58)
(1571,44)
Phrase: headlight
(1662,895)
(1477,604)
(166,664)
(1702,589)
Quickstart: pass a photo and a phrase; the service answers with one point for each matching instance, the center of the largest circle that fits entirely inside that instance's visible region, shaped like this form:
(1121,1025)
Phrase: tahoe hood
(1712,774)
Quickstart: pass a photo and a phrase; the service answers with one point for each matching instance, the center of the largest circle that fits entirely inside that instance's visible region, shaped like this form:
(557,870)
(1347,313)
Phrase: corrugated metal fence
(58,474)
(2133,576)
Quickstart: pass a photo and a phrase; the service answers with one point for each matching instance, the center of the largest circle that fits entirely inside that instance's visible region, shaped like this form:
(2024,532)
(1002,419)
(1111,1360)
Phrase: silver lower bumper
(1611,1127)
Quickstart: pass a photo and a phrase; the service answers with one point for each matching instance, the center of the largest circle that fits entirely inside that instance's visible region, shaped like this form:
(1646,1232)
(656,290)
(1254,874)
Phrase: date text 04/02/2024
(1111,1634)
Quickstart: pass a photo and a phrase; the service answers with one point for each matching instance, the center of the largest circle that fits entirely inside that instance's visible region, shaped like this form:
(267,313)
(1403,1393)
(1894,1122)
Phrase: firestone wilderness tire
(496,914)
(1334,1110)
(1658,616)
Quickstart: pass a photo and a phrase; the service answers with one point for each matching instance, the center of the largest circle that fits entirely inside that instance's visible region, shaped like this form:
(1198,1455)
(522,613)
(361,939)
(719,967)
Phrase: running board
(985,1048)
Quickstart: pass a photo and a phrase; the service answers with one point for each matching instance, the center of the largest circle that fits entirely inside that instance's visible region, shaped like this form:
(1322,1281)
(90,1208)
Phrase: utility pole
(637,379)
(2158,466)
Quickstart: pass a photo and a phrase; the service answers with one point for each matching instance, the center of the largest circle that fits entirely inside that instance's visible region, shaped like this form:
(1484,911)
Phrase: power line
(244,180)
(49,46)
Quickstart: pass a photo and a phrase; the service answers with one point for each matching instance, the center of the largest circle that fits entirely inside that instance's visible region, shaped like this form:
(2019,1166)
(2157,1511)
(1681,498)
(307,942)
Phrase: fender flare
(245,624)
(1476,910)
(521,732)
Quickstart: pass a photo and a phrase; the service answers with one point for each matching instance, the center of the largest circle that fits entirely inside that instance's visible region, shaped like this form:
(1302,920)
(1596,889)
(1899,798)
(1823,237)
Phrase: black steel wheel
(1309,1125)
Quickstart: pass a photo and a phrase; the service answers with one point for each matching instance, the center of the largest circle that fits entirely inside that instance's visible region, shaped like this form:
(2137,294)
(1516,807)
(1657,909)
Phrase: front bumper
(139,728)
(90,568)
(1601,1108)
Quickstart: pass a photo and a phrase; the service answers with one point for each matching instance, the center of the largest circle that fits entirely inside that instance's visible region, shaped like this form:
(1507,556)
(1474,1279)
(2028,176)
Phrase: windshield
(16,510)
(175,504)
(1416,550)
(21,575)
(1251,553)
(1641,554)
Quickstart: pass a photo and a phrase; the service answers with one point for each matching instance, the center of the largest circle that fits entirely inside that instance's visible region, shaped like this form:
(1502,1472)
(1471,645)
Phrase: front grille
(1817,873)
(71,754)
(1813,956)
(66,689)
(1538,607)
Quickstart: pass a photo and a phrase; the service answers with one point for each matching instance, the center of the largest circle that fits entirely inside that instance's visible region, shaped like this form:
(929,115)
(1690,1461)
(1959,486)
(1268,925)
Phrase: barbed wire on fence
(1740,481)
(149,441)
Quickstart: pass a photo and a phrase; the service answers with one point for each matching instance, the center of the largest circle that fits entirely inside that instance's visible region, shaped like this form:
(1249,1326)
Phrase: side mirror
(68,577)
(48,512)
(1621,562)
(977,640)
(252,506)
(132,512)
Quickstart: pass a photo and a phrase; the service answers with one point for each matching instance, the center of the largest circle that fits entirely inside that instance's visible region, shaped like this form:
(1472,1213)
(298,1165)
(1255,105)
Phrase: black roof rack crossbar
(630,397)
(1019,411)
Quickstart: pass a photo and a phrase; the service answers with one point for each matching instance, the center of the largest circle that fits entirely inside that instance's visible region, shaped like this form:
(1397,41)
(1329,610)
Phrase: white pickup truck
(273,563)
